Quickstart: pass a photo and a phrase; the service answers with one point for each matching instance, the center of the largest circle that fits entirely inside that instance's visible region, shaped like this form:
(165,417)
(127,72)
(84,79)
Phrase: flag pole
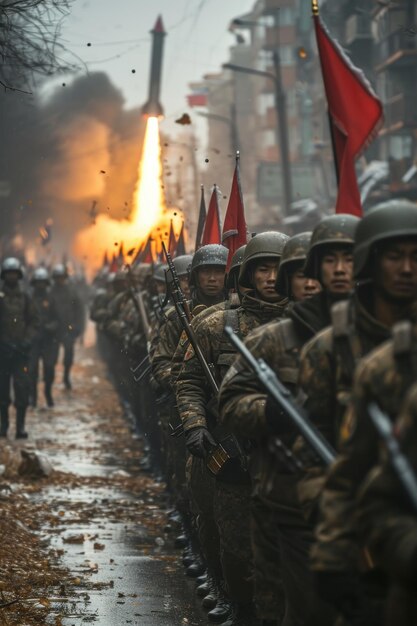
(315,13)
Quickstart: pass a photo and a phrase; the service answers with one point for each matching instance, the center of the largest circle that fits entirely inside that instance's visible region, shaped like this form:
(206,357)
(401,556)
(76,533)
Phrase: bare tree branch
(29,40)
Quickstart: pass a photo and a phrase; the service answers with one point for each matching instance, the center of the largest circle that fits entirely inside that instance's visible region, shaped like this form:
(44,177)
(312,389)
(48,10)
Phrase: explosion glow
(149,213)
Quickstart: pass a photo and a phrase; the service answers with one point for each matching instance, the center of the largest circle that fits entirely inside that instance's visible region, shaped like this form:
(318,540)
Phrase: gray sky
(197,42)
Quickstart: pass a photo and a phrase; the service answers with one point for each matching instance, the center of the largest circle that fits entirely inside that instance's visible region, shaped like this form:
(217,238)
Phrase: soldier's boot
(20,424)
(48,394)
(4,421)
(67,380)
(197,568)
(222,610)
(210,597)
(242,615)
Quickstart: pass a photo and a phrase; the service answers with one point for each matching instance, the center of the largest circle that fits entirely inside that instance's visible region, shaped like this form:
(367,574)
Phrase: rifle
(184,314)
(399,461)
(283,397)
(229,447)
(138,303)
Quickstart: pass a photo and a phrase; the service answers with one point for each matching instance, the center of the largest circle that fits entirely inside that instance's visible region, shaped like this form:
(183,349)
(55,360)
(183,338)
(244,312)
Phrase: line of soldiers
(271,532)
(34,323)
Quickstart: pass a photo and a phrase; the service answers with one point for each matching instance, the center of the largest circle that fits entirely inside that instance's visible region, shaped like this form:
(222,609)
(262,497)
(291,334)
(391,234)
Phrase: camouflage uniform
(387,520)
(18,325)
(194,395)
(281,534)
(326,376)
(45,344)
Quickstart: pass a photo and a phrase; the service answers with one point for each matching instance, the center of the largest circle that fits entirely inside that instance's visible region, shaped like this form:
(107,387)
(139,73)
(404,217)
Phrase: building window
(400,146)
(268,138)
(265,101)
(286,54)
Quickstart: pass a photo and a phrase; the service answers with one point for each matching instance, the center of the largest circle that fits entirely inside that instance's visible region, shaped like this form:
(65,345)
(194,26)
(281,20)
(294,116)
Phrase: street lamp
(282,128)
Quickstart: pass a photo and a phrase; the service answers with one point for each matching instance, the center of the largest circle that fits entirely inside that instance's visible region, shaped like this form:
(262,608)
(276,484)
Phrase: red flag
(211,232)
(235,232)
(146,255)
(181,242)
(172,242)
(201,219)
(355,114)
(114,265)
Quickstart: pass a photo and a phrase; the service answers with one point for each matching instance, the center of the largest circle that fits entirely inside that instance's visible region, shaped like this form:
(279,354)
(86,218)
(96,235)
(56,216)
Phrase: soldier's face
(264,278)
(160,288)
(337,270)
(185,286)
(303,287)
(396,273)
(211,279)
(11,278)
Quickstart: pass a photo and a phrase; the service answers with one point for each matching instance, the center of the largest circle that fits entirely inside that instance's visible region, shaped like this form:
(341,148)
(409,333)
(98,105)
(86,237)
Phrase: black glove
(341,590)
(199,441)
(278,423)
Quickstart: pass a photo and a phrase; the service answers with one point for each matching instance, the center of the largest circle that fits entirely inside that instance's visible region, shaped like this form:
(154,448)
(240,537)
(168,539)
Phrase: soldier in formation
(274,530)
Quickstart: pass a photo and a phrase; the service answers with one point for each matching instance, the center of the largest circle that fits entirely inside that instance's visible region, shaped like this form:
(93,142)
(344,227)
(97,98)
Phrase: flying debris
(153,107)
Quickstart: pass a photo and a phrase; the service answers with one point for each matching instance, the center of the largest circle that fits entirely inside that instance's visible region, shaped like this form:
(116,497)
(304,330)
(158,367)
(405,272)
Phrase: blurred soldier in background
(45,342)
(70,315)
(18,326)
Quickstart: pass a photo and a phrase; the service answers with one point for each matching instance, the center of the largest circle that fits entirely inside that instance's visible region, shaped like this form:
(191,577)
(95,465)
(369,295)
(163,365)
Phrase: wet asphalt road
(112,532)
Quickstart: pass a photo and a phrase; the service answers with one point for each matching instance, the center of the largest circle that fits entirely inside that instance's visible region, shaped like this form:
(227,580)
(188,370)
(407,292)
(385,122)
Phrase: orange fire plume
(149,216)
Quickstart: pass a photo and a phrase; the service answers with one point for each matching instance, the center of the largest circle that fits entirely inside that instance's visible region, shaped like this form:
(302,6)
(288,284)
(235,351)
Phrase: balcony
(397,50)
(358,29)
(400,113)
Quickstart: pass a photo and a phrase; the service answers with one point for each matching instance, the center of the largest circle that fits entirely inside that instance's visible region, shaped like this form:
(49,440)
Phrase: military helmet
(233,273)
(293,258)
(334,230)
(388,220)
(11,264)
(41,274)
(211,254)
(121,274)
(159,273)
(182,266)
(59,270)
(265,245)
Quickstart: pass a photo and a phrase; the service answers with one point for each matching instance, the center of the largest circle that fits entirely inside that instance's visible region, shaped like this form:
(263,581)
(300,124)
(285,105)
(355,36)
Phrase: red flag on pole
(211,232)
(181,242)
(172,242)
(146,255)
(355,114)
(235,232)
(201,219)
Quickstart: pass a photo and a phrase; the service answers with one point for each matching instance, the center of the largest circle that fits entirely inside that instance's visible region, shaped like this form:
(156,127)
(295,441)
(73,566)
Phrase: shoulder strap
(344,345)
(231,318)
(287,334)
(402,339)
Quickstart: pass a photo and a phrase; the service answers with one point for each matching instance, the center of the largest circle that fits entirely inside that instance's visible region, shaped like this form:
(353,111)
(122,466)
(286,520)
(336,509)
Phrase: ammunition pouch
(228,461)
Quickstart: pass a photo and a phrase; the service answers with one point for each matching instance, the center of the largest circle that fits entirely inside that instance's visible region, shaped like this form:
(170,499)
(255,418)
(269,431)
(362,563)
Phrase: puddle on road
(107,518)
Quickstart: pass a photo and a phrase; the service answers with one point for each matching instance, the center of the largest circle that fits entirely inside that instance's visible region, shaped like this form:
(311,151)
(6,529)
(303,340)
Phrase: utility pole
(282,131)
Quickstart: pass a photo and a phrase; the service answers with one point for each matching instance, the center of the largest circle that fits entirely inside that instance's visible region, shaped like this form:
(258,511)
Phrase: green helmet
(331,231)
(40,274)
(211,254)
(59,270)
(11,264)
(182,266)
(293,258)
(388,220)
(159,273)
(233,273)
(265,245)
